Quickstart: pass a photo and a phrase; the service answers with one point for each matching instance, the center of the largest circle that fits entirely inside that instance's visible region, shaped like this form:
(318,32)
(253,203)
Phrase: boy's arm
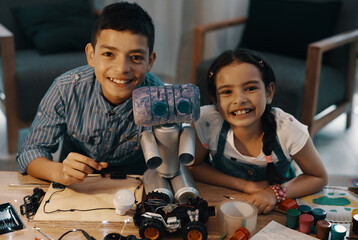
(74,169)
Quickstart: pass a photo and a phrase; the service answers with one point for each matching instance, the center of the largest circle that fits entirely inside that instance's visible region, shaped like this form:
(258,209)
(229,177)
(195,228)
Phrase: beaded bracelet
(280,192)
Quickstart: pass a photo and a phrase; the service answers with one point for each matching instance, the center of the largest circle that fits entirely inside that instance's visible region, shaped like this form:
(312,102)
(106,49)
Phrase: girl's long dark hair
(241,55)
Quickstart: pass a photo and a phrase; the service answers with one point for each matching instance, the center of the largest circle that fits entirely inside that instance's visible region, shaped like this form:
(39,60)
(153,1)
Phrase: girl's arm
(203,172)
(313,178)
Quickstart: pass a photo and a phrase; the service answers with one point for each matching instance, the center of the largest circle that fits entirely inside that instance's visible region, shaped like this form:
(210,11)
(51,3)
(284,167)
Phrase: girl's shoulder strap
(222,136)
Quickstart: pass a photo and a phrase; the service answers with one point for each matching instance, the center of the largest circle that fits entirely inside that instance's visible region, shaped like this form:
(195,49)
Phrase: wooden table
(15,194)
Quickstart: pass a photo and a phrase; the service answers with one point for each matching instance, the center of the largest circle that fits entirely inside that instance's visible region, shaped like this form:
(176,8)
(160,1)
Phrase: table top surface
(14,187)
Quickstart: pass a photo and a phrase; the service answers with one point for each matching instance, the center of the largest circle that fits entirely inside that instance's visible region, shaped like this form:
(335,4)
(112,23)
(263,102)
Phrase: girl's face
(241,95)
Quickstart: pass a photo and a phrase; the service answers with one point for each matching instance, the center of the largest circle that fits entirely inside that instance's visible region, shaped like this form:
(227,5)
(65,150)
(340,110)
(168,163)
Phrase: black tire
(157,195)
(195,231)
(151,229)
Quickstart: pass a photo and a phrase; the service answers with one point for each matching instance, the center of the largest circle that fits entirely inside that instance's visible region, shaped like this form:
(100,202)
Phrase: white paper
(276,231)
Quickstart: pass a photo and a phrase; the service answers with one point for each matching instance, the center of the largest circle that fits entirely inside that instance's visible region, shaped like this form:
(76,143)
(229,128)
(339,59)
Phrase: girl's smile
(241,94)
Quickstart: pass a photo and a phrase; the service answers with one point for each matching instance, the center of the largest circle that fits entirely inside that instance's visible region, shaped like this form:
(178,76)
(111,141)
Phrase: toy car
(156,216)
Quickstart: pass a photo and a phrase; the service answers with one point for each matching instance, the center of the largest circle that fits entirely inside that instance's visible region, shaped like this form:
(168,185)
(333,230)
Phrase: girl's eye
(252,88)
(137,58)
(225,92)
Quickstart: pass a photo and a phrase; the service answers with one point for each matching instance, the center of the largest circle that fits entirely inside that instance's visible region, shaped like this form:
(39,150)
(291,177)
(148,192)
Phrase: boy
(90,107)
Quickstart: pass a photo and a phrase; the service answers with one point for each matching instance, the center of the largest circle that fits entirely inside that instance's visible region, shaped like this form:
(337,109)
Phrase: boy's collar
(121,110)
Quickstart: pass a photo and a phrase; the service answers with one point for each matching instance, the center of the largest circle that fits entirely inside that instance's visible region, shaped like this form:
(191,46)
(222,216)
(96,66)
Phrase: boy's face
(121,61)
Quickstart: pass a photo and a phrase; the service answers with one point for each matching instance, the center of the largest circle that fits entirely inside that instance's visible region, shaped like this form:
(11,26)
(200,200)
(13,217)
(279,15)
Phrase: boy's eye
(108,54)
(137,58)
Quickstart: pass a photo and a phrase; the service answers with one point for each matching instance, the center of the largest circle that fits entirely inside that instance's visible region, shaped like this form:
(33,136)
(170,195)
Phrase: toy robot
(168,147)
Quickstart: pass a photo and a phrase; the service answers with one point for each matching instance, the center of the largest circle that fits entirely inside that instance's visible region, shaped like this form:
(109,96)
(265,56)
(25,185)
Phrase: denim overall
(247,171)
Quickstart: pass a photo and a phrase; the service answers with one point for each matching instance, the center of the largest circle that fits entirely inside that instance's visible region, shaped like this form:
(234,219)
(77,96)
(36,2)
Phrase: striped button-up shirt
(75,110)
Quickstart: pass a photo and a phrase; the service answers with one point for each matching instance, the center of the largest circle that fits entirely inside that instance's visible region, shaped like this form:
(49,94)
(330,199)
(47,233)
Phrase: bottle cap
(241,234)
(338,232)
(318,214)
(305,209)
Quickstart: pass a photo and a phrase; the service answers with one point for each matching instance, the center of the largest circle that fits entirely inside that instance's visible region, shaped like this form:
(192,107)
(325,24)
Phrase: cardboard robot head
(157,105)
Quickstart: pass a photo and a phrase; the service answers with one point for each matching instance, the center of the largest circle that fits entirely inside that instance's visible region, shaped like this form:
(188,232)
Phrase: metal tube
(184,186)
(187,146)
(150,149)
(154,183)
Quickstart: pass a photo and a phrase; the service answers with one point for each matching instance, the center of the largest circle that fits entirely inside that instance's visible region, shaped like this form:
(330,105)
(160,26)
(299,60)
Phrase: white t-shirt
(292,135)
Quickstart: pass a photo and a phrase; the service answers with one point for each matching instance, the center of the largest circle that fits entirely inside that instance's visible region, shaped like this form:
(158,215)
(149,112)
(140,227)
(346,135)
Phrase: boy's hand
(76,167)
(265,201)
(254,187)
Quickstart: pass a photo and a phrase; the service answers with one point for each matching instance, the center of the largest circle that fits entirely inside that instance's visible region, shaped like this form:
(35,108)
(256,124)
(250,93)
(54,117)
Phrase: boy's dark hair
(242,55)
(124,16)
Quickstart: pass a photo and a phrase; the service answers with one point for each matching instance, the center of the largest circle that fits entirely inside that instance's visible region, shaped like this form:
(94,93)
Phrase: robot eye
(184,107)
(160,109)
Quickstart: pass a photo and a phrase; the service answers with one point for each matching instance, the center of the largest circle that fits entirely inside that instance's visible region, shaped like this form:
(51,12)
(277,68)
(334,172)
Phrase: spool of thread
(305,209)
(241,234)
(338,232)
(318,214)
(323,228)
(292,216)
(355,223)
(305,223)
(354,212)
(235,214)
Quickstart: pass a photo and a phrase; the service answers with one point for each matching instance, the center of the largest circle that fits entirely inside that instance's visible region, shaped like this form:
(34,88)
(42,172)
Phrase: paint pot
(241,234)
(305,223)
(338,232)
(323,228)
(305,209)
(318,214)
(355,223)
(292,216)
(354,212)
(235,214)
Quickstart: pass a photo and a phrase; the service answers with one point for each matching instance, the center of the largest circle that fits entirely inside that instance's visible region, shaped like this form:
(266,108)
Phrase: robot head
(157,105)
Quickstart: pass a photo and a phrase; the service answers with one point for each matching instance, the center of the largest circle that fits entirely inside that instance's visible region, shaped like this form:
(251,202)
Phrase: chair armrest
(313,69)
(199,34)
(7,53)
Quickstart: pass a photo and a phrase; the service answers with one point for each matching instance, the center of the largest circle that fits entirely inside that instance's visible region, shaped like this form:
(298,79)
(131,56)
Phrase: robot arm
(150,149)
(187,145)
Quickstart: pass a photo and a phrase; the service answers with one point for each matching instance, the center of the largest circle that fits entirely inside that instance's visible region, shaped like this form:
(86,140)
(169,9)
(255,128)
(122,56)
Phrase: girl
(252,144)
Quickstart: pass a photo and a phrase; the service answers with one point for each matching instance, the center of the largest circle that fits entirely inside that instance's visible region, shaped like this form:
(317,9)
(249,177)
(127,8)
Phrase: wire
(91,209)
(76,230)
(69,210)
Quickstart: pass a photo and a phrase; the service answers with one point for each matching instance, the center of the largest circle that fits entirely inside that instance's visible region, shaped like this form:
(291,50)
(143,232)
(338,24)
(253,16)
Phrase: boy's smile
(121,60)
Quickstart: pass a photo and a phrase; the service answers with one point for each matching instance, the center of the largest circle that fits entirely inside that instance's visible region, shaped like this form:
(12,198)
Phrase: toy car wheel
(195,231)
(157,195)
(151,229)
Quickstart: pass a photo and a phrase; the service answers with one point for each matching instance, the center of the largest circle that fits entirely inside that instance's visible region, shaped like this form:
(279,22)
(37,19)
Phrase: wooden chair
(26,72)
(314,69)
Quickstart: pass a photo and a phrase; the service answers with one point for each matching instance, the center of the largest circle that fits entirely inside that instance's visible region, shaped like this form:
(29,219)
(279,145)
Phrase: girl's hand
(265,200)
(76,167)
(254,187)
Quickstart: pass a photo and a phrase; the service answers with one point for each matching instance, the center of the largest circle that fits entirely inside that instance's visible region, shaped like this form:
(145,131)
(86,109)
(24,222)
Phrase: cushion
(288,26)
(58,27)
